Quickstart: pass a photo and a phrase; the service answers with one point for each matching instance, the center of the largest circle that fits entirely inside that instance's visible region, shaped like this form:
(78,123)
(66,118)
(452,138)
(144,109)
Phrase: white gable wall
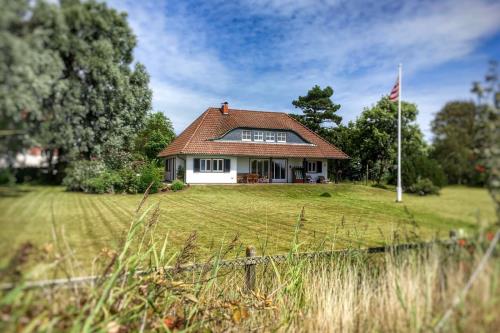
(211,177)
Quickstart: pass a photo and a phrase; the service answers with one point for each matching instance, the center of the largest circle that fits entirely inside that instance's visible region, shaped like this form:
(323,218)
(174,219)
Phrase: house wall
(243,164)
(240,165)
(211,177)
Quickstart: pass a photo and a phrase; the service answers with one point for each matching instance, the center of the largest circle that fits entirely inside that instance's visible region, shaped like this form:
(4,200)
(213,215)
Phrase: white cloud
(354,46)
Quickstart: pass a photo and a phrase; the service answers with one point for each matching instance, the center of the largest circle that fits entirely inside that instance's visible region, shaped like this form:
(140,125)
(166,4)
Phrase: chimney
(225,108)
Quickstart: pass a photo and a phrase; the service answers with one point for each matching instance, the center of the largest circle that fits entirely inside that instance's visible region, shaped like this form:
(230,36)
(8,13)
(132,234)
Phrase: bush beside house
(95,177)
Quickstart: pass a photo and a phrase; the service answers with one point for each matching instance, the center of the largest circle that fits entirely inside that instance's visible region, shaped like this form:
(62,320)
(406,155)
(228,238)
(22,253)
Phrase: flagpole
(399,189)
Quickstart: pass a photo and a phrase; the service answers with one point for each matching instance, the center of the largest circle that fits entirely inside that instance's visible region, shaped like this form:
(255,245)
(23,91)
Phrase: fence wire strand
(230,264)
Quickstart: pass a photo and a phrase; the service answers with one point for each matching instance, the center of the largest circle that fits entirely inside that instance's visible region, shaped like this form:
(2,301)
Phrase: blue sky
(262,54)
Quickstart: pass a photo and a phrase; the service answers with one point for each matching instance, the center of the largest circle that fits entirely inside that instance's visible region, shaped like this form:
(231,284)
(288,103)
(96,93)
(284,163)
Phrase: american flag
(393,96)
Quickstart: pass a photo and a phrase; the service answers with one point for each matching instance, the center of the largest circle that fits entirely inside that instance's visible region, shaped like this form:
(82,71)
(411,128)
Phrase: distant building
(30,158)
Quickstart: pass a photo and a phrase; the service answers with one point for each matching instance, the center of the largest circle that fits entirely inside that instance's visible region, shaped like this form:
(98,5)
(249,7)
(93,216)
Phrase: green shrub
(6,177)
(130,181)
(107,182)
(150,174)
(423,186)
(79,172)
(177,185)
(325,195)
(94,177)
(419,165)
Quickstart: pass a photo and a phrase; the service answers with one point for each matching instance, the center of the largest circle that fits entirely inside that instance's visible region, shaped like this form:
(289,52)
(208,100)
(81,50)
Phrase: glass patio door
(260,167)
(279,171)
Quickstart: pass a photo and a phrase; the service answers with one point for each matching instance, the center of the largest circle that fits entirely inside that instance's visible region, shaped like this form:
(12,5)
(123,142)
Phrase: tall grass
(349,292)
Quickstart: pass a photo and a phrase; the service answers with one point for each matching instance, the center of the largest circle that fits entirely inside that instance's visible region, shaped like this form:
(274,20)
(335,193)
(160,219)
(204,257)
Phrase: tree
(29,72)
(453,146)
(92,97)
(318,109)
(156,135)
(374,136)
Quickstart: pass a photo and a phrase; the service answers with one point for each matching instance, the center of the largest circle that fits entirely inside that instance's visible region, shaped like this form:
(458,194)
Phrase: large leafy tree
(29,73)
(97,98)
(454,130)
(374,136)
(319,111)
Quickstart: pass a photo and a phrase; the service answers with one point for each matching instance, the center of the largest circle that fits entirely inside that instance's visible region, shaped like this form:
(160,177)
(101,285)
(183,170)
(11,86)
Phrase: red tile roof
(198,138)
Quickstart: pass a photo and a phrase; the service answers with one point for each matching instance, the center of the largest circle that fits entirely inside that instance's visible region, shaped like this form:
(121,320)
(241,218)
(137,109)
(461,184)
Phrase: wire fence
(248,263)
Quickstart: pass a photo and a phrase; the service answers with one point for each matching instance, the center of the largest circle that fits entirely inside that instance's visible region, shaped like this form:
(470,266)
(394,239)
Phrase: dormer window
(281,136)
(270,136)
(246,135)
(258,136)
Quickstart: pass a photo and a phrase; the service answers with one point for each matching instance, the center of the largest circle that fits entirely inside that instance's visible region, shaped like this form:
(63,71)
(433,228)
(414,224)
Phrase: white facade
(200,177)
(241,165)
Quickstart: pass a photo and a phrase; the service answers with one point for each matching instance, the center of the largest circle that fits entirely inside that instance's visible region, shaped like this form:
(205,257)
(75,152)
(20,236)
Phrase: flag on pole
(393,96)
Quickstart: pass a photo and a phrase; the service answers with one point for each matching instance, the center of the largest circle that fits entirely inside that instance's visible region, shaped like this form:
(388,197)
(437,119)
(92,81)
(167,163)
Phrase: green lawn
(354,214)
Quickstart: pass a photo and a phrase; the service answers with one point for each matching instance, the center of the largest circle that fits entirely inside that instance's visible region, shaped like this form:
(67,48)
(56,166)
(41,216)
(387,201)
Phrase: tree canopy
(29,71)
(156,135)
(374,135)
(86,93)
(454,130)
(318,109)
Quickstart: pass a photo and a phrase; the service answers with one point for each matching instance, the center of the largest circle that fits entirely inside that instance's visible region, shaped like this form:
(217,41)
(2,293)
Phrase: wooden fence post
(250,270)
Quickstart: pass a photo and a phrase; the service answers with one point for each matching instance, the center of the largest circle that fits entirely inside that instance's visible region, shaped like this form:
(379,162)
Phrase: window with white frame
(311,166)
(270,136)
(281,136)
(258,136)
(205,165)
(246,135)
(218,165)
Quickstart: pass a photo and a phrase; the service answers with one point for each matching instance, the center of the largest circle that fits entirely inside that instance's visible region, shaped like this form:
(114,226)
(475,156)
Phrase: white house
(225,146)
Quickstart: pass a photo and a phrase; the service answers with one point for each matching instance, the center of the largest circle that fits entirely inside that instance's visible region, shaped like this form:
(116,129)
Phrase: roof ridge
(259,111)
(203,115)
(316,134)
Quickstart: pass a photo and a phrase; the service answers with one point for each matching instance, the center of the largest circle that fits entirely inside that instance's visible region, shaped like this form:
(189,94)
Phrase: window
(281,136)
(212,165)
(260,167)
(258,136)
(270,136)
(315,166)
(311,166)
(205,165)
(246,136)
(218,165)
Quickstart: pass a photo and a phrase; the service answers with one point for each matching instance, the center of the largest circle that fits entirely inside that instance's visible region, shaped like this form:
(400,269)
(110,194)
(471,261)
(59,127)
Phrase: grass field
(264,216)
